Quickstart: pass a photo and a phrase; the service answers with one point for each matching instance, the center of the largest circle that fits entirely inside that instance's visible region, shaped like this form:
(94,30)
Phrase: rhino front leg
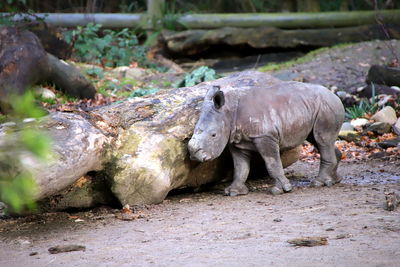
(241,163)
(269,151)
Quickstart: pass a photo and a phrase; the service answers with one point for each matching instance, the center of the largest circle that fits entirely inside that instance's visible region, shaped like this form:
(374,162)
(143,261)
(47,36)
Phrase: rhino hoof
(329,183)
(233,194)
(287,188)
(276,190)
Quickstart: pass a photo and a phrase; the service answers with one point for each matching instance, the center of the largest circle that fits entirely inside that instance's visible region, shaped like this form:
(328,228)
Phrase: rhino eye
(219,99)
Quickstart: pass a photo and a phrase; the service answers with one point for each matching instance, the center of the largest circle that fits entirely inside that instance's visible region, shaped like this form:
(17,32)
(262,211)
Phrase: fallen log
(139,145)
(192,42)
(24,62)
(286,20)
(384,75)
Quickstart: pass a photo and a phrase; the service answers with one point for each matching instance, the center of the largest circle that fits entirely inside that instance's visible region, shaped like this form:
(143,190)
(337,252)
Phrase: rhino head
(212,131)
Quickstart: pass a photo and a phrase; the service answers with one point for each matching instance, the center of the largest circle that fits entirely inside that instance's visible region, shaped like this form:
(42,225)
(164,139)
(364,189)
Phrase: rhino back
(285,111)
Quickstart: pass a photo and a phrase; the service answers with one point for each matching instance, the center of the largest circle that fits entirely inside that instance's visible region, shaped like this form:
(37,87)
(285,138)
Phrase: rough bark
(195,41)
(24,62)
(384,75)
(140,145)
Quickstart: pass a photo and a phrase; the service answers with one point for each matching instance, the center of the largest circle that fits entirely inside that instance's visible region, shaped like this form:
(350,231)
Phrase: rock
(349,136)
(45,93)
(392,200)
(341,94)
(359,122)
(66,248)
(396,127)
(127,72)
(390,143)
(387,115)
(309,241)
(347,126)
(378,155)
(379,128)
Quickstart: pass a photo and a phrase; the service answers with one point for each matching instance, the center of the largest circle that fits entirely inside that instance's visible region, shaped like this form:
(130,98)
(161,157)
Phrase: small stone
(349,136)
(33,253)
(360,122)
(379,128)
(396,127)
(392,200)
(45,93)
(66,248)
(390,143)
(277,220)
(341,94)
(309,241)
(343,236)
(386,115)
(378,155)
(330,229)
(347,126)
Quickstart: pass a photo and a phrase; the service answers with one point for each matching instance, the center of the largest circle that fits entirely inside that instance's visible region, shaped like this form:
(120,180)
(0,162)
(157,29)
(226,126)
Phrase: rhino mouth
(200,155)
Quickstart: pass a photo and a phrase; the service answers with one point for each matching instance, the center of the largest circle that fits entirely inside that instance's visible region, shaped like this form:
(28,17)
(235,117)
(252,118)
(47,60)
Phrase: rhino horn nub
(212,91)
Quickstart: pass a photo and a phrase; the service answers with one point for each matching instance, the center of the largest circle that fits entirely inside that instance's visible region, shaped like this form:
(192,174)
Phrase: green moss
(130,141)
(173,149)
(304,59)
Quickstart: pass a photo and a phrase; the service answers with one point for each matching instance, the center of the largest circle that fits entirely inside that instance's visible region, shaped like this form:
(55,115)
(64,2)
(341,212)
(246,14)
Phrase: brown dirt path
(208,229)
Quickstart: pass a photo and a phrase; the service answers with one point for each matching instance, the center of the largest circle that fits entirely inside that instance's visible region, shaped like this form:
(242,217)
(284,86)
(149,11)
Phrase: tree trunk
(139,145)
(195,41)
(24,62)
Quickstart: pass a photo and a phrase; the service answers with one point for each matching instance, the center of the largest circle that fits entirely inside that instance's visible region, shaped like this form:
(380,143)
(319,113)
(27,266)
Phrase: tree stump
(24,62)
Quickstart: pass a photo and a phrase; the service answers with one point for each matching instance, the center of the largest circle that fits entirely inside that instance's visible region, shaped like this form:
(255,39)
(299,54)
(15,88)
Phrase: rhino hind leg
(330,156)
(269,151)
(241,164)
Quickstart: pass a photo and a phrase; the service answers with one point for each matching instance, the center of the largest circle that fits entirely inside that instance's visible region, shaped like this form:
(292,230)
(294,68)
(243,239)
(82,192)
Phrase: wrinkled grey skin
(269,119)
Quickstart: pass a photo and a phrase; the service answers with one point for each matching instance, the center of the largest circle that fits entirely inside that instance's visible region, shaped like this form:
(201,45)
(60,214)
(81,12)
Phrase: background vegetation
(196,6)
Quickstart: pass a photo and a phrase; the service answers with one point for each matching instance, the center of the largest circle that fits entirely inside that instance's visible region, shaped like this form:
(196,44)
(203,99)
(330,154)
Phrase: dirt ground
(209,229)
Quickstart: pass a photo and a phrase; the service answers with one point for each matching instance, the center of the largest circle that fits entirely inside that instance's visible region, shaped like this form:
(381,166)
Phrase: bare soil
(209,229)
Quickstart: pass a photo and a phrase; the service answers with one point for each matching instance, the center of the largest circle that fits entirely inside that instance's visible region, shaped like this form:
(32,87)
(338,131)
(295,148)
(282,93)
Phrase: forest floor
(209,229)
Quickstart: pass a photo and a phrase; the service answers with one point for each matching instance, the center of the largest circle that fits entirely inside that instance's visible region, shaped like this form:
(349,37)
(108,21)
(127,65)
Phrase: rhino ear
(219,99)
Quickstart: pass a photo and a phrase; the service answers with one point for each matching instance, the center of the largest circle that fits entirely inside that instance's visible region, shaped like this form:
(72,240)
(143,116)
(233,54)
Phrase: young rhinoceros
(269,119)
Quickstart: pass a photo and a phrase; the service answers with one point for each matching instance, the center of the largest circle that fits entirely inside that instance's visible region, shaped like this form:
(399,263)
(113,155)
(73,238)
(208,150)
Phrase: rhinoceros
(269,119)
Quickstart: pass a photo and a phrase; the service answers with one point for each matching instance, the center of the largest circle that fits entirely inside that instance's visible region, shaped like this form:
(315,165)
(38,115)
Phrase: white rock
(46,93)
(347,126)
(387,114)
(396,127)
(359,122)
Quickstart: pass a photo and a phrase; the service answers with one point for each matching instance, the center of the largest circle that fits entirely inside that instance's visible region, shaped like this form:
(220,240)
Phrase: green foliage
(24,107)
(95,72)
(201,74)
(106,47)
(144,91)
(17,187)
(361,110)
